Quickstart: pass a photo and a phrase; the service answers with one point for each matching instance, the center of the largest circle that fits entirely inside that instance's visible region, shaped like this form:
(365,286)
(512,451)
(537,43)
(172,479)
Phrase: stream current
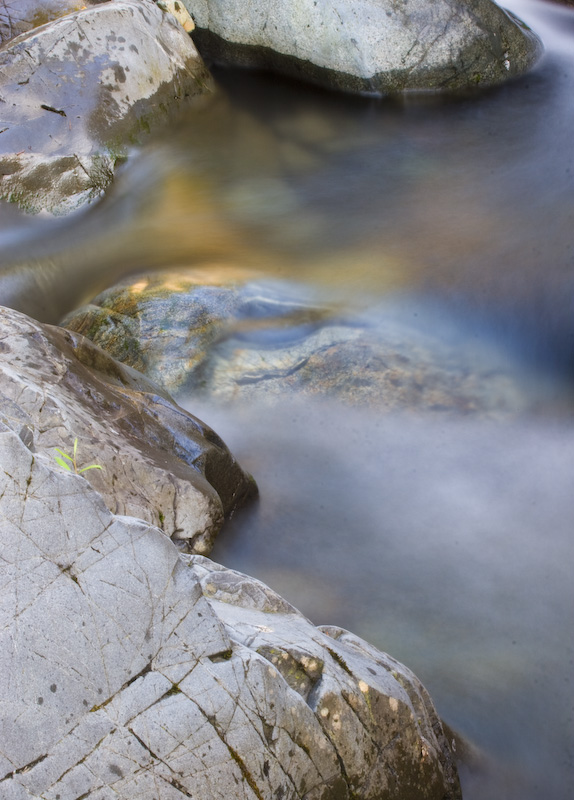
(447,542)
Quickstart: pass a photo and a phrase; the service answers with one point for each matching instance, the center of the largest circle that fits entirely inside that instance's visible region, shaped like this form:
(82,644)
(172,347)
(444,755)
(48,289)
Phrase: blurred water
(446,542)
(470,199)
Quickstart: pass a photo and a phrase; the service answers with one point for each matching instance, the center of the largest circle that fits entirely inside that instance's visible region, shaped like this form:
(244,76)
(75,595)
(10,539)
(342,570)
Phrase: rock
(20,16)
(374,46)
(164,323)
(179,11)
(132,671)
(159,462)
(77,91)
(231,338)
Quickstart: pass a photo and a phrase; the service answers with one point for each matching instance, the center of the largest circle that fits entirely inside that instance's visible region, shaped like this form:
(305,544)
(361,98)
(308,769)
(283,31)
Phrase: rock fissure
(266,376)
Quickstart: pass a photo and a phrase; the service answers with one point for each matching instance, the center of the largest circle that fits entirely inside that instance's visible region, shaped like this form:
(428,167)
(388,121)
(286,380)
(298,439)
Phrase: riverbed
(445,540)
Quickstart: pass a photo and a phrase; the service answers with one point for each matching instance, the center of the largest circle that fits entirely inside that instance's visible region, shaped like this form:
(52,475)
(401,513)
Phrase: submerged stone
(372,46)
(232,338)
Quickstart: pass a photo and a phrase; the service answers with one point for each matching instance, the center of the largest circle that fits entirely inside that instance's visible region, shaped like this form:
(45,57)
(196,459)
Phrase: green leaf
(92,466)
(75,446)
(61,452)
(62,463)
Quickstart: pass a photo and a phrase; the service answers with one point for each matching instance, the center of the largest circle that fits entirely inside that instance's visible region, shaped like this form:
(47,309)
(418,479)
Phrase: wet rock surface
(226,337)
(77,92)
(370,46)
(159,462)
(20,16)
(134,671)
(163,324)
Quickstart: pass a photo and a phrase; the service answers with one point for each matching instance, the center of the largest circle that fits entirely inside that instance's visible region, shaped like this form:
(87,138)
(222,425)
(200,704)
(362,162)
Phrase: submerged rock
(77,91)
(159,462)
(163,324)
(374,46)
(223,336)
(132,671)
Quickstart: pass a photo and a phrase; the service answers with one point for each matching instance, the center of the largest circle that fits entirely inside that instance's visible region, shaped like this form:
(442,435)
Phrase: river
(448,542)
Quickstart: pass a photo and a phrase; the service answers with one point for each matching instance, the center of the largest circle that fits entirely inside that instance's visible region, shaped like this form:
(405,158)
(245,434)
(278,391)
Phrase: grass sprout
(70,463)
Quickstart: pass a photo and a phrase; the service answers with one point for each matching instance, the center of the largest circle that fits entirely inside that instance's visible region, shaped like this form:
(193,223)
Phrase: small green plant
(70,463)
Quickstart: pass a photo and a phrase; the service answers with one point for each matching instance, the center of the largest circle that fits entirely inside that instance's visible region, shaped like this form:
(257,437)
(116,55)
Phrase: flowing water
(447,542)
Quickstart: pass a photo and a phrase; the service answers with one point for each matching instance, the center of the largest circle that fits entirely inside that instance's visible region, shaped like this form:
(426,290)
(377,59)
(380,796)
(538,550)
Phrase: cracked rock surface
(130,670)
(375,46)
(159,462)
(75,92)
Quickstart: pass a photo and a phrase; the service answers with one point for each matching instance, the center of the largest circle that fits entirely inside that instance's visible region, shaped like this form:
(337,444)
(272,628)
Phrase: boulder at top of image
(372,46)
(79,90)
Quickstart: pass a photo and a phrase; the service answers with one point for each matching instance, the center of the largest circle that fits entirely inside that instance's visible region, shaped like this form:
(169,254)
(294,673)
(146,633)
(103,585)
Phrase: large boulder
(76,92)
(131,671)
(224,335)
(374,46)
(159,462)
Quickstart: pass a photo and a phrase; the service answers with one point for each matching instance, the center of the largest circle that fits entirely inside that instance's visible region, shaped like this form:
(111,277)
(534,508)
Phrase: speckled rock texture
(220,336)
(77,91)
(159,462)
(374,46)
(131,671)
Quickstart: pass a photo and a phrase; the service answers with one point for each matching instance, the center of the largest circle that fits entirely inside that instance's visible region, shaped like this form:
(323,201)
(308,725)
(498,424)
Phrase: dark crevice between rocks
(180,787)
(340,661)
(148,749)
(224,655)
(244,771)
(25,768)
(144,671)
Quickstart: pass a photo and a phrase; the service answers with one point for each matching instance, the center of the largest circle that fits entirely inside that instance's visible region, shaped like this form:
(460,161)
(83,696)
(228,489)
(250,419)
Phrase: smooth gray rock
(159,462)
(129,670)
(76,92)
(20,16)
(374,46)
